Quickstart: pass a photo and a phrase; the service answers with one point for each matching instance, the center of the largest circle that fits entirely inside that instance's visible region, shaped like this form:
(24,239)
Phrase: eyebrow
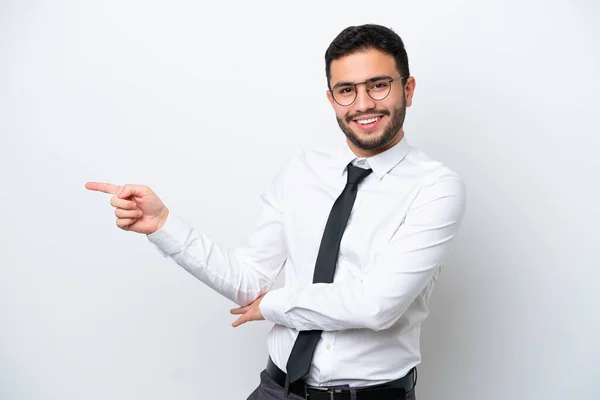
(375,78)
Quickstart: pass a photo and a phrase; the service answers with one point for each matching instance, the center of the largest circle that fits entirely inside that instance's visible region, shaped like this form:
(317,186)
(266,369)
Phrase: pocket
(268,381)
(411,395)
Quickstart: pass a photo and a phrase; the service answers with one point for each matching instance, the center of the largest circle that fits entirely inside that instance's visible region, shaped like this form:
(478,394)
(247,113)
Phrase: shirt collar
(381,163)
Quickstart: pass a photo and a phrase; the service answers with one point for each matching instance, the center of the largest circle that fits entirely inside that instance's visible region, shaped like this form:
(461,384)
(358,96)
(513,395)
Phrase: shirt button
(328,347)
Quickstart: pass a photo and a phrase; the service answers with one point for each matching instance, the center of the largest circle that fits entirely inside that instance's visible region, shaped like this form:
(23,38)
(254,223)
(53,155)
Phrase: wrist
(163,219)
(272,307)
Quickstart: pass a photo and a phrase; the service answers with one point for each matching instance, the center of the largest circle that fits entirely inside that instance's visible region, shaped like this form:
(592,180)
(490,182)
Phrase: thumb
(130,190)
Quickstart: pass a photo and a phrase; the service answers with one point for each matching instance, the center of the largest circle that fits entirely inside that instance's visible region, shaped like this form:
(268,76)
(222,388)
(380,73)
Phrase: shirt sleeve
(241,274)
(399,273)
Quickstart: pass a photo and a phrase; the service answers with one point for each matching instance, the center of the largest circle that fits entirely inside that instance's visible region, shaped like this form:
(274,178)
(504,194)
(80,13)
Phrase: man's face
(371,126)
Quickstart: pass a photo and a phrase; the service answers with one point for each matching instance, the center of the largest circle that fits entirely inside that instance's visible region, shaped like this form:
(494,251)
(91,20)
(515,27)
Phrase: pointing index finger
(103,187)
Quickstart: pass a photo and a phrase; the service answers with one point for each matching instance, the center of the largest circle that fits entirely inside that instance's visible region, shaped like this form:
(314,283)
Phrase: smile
(368,123)
(368,120)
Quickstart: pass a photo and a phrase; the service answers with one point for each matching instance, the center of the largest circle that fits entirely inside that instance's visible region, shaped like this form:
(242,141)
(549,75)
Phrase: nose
(363,101)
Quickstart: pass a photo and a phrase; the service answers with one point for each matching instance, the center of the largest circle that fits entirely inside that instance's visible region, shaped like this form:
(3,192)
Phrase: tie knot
(357,174)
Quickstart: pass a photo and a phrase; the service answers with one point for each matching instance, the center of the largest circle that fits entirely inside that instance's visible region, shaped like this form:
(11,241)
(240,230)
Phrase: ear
(409,90)
(330,98)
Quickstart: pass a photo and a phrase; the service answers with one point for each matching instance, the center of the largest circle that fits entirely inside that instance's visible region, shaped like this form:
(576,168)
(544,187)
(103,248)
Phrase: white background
(203,102)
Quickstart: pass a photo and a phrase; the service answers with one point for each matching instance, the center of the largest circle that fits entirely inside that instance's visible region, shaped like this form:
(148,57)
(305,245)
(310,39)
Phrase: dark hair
(364,37)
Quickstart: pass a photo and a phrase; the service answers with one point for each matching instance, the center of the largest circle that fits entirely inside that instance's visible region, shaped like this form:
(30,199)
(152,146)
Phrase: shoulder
(441,192)
(429,170)
(299,162)
(437,186)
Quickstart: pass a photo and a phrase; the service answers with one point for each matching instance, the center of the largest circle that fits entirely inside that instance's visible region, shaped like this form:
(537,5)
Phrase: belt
(392,390)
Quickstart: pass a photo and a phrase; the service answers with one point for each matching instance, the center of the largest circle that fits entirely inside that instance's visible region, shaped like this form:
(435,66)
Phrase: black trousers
(268,389)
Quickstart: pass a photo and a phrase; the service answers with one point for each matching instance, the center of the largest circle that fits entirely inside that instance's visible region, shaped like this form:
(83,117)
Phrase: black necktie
(300,359)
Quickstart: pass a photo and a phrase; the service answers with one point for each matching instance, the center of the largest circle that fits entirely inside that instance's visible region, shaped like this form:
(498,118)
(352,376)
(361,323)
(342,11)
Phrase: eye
(379,85)
(344,90)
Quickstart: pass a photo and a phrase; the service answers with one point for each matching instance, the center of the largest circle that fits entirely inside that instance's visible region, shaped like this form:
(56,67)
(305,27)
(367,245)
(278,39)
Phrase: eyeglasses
(378,88)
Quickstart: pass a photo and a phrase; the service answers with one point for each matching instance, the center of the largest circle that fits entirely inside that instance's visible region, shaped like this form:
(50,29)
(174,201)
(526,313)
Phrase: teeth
(367,121)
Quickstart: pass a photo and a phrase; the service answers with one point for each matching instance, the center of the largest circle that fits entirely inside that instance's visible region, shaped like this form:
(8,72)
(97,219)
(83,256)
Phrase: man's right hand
(137,208)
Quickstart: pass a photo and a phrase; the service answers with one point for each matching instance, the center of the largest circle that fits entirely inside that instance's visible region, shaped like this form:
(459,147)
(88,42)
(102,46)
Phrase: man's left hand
(251,312)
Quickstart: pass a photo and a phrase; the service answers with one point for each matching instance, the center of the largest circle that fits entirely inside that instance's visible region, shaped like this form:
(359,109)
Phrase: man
(361,230)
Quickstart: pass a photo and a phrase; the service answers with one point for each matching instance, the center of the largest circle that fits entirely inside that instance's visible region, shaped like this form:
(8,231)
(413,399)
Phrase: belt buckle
(331,391)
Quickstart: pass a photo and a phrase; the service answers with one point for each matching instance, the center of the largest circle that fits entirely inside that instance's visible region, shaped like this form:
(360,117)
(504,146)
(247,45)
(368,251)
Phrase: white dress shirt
(400,230)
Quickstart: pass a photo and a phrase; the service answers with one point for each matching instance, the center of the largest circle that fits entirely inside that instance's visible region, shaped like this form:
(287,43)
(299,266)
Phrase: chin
(372,144)
(371,140)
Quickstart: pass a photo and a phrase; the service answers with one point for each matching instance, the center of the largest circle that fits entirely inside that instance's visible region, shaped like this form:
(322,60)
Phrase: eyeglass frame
(375,79)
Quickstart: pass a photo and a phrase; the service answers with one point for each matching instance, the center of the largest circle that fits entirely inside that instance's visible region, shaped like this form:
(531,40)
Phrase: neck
(362,153)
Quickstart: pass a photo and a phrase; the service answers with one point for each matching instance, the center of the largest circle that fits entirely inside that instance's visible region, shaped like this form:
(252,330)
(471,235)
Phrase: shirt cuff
(171,237)
(272,307)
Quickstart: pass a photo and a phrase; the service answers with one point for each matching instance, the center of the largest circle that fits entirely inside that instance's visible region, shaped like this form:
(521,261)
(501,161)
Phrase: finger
(241,320)
(131,214)
(123,223)
(239,310)
(103,187)
(122,203)
(131,190)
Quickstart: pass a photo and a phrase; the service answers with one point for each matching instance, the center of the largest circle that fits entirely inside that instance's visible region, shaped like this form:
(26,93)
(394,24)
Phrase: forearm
(237,274)
(374,302)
